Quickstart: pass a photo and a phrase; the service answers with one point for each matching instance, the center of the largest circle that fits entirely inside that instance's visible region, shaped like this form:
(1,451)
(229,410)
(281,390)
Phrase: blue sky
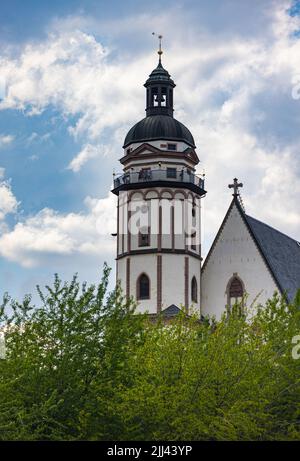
(71,76)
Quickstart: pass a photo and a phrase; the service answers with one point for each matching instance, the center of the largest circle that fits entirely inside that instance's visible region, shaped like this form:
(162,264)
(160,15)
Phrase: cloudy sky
(71,76)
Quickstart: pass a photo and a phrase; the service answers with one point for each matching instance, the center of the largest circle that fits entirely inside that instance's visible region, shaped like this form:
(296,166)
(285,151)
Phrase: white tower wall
(170,260)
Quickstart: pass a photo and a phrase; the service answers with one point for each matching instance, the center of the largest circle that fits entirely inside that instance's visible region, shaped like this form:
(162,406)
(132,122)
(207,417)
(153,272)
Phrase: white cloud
(270,175)
(87,152)
(35,137)
(8,202)
(5,140)
(70,70)
(52,234)
(221,87)
(33,157)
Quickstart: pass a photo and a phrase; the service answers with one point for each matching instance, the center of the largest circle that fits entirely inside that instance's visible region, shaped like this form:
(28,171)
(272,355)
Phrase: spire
(159,49)
(159,100)
(160,52)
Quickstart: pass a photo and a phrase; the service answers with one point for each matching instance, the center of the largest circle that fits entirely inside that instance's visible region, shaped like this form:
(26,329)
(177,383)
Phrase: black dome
(159,127)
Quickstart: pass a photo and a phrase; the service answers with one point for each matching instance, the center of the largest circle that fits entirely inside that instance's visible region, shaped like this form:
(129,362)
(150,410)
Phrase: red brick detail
(186,283)
(127,278)
(118,226)
(173,227)
(128,231)
(159,228)
(159,283)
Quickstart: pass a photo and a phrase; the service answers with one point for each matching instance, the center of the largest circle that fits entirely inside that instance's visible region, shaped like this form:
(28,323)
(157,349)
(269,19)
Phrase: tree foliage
(82,365)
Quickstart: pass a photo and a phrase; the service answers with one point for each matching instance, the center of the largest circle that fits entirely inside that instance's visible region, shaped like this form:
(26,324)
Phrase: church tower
(159,212)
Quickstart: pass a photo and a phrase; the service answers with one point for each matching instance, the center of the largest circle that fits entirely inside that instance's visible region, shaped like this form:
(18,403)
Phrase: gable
(150,151)
(235,253)
(235,240)
(280,253)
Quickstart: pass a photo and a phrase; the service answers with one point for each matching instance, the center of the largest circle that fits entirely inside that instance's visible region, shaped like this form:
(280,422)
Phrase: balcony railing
(148,176)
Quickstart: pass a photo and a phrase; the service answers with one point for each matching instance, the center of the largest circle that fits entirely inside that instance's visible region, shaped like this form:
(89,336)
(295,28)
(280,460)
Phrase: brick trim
(159,283)
(118,227)
(186,283)
(127,278)
(128,231)
(173,227)
(159,237)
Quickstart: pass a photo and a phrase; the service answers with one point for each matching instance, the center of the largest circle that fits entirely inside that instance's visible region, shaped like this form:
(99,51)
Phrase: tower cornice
(197,187)
(189,153)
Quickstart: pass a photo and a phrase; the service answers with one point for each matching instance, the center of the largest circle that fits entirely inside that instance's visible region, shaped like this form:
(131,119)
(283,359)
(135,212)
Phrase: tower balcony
(170,177)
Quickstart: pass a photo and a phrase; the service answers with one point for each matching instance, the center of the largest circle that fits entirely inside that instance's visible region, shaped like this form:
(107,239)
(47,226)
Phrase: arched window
(235,291)
(194,290)
(154,96)
(171,98)
(143,287)
(163,96)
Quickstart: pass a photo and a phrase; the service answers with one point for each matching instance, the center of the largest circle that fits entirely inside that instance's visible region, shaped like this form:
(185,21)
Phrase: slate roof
(282,254)
(171,311)
(159,74)
(162,127)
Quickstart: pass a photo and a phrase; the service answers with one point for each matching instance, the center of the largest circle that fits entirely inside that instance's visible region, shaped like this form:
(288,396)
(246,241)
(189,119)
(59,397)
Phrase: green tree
(82,364)
(55,352)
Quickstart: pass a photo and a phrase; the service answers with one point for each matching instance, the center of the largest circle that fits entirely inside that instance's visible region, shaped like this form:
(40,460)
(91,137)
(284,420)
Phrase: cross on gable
(235,186)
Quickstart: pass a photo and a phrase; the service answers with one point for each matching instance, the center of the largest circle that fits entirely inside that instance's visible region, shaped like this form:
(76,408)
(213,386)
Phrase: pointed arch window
(143,287)
(235,291)
(194,290)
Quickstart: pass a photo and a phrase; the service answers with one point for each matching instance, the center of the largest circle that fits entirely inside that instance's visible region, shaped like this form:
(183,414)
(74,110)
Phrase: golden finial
(160,52)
